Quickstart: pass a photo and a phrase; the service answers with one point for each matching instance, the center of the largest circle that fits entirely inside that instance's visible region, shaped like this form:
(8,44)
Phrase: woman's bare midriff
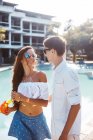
(30,110)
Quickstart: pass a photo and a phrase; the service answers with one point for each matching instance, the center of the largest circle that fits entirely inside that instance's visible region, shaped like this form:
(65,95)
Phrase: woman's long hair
(18,70)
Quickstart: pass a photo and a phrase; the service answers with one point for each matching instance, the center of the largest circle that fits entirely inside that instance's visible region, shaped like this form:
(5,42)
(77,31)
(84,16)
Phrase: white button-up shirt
(66,92)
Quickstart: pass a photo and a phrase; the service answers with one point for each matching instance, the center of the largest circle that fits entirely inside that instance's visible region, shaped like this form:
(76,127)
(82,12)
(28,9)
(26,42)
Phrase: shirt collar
(60,66)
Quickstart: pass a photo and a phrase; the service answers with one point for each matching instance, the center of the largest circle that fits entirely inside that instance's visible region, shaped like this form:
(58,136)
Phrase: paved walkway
(87,131)
(5,68)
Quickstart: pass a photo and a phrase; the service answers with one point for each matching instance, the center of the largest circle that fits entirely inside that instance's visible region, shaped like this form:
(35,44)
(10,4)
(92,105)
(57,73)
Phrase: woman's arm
(21,98)
(40,102)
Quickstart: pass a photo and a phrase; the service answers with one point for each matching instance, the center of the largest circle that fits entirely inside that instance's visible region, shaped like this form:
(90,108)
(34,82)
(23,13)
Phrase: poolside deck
(88,62)
(87,131)
(5,68)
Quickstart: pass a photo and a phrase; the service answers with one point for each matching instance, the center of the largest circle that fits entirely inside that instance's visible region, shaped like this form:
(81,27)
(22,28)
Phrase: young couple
(30,94)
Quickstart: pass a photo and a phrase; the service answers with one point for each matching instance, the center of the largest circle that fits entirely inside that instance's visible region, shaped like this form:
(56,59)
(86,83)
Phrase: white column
(21,40)
(30,33)
(10,35)
(31,28)
(9,21)
(44,29)
(21,24)
(9,53)
(9,38)
(30,40)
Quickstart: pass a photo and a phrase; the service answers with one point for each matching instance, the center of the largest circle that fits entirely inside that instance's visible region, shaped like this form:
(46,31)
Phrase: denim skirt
(24,127)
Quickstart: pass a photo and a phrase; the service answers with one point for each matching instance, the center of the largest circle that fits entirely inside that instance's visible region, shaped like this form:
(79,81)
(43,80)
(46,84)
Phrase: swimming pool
(86,85)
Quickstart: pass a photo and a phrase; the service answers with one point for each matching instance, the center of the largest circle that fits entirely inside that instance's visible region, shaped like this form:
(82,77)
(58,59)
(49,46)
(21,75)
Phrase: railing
(25,44)
(4,23)
(26,30)
(38,31)
(37,44)
(78,57)
(15,43)
(5,42)
(15,27)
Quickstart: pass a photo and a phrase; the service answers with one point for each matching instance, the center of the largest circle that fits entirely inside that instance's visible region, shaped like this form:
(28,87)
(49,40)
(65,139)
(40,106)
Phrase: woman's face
(29,58)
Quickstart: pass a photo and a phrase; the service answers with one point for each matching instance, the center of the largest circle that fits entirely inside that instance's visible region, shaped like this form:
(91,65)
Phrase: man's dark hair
(57,43)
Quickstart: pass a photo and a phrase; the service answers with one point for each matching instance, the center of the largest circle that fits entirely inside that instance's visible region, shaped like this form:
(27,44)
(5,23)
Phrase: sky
(77,10)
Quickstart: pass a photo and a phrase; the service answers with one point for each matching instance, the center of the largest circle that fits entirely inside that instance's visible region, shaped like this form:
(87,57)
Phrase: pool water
(86,85)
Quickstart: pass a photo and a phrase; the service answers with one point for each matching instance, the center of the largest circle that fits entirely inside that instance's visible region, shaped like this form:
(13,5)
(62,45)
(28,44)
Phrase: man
(66,118)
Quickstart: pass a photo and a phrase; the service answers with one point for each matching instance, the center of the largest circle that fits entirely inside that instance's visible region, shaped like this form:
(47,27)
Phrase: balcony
(15,23)
(4,19)
(26,26)
(37,28)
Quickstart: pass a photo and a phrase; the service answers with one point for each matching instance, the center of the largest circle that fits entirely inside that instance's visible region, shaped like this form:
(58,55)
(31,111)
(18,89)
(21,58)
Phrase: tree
(53,29)
(80,38)
(2,34)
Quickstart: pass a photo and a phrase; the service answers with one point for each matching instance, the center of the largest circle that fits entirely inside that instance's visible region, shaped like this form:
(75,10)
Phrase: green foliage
(2,34)
(80,38)
(52,29)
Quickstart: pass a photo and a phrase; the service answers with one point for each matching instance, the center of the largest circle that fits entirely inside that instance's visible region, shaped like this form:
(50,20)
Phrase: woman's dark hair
(18,70)
(57,43)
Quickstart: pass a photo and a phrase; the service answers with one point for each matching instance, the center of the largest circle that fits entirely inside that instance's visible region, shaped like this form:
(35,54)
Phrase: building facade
(22,28)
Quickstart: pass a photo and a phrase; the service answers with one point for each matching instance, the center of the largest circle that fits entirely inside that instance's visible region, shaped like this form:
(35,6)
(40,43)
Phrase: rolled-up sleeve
(72,88)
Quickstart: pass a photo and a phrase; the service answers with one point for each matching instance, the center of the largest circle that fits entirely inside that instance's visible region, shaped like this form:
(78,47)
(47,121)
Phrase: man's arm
(71,118)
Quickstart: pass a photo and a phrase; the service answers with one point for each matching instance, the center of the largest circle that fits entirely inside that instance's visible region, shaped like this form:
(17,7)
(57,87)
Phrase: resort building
(22,28)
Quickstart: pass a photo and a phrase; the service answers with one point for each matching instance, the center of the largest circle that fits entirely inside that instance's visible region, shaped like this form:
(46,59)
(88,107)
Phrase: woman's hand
(16,96)
(8,111)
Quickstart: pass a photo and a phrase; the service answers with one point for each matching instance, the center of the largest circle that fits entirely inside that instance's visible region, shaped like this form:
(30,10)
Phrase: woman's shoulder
(42,76)
(41,73)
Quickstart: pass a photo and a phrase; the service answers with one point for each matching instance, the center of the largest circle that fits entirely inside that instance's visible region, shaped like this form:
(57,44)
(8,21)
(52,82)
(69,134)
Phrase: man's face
(49,54)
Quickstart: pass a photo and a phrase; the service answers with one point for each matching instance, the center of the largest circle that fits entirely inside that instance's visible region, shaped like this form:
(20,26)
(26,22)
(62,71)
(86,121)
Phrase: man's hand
(63,137)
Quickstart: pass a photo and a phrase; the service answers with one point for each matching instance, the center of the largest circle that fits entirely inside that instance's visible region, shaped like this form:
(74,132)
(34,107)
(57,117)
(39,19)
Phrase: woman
(29,84)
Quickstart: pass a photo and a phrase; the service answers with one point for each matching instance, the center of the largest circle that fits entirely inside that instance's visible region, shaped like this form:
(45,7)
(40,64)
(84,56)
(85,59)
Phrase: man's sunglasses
(45,50)
(27,55)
